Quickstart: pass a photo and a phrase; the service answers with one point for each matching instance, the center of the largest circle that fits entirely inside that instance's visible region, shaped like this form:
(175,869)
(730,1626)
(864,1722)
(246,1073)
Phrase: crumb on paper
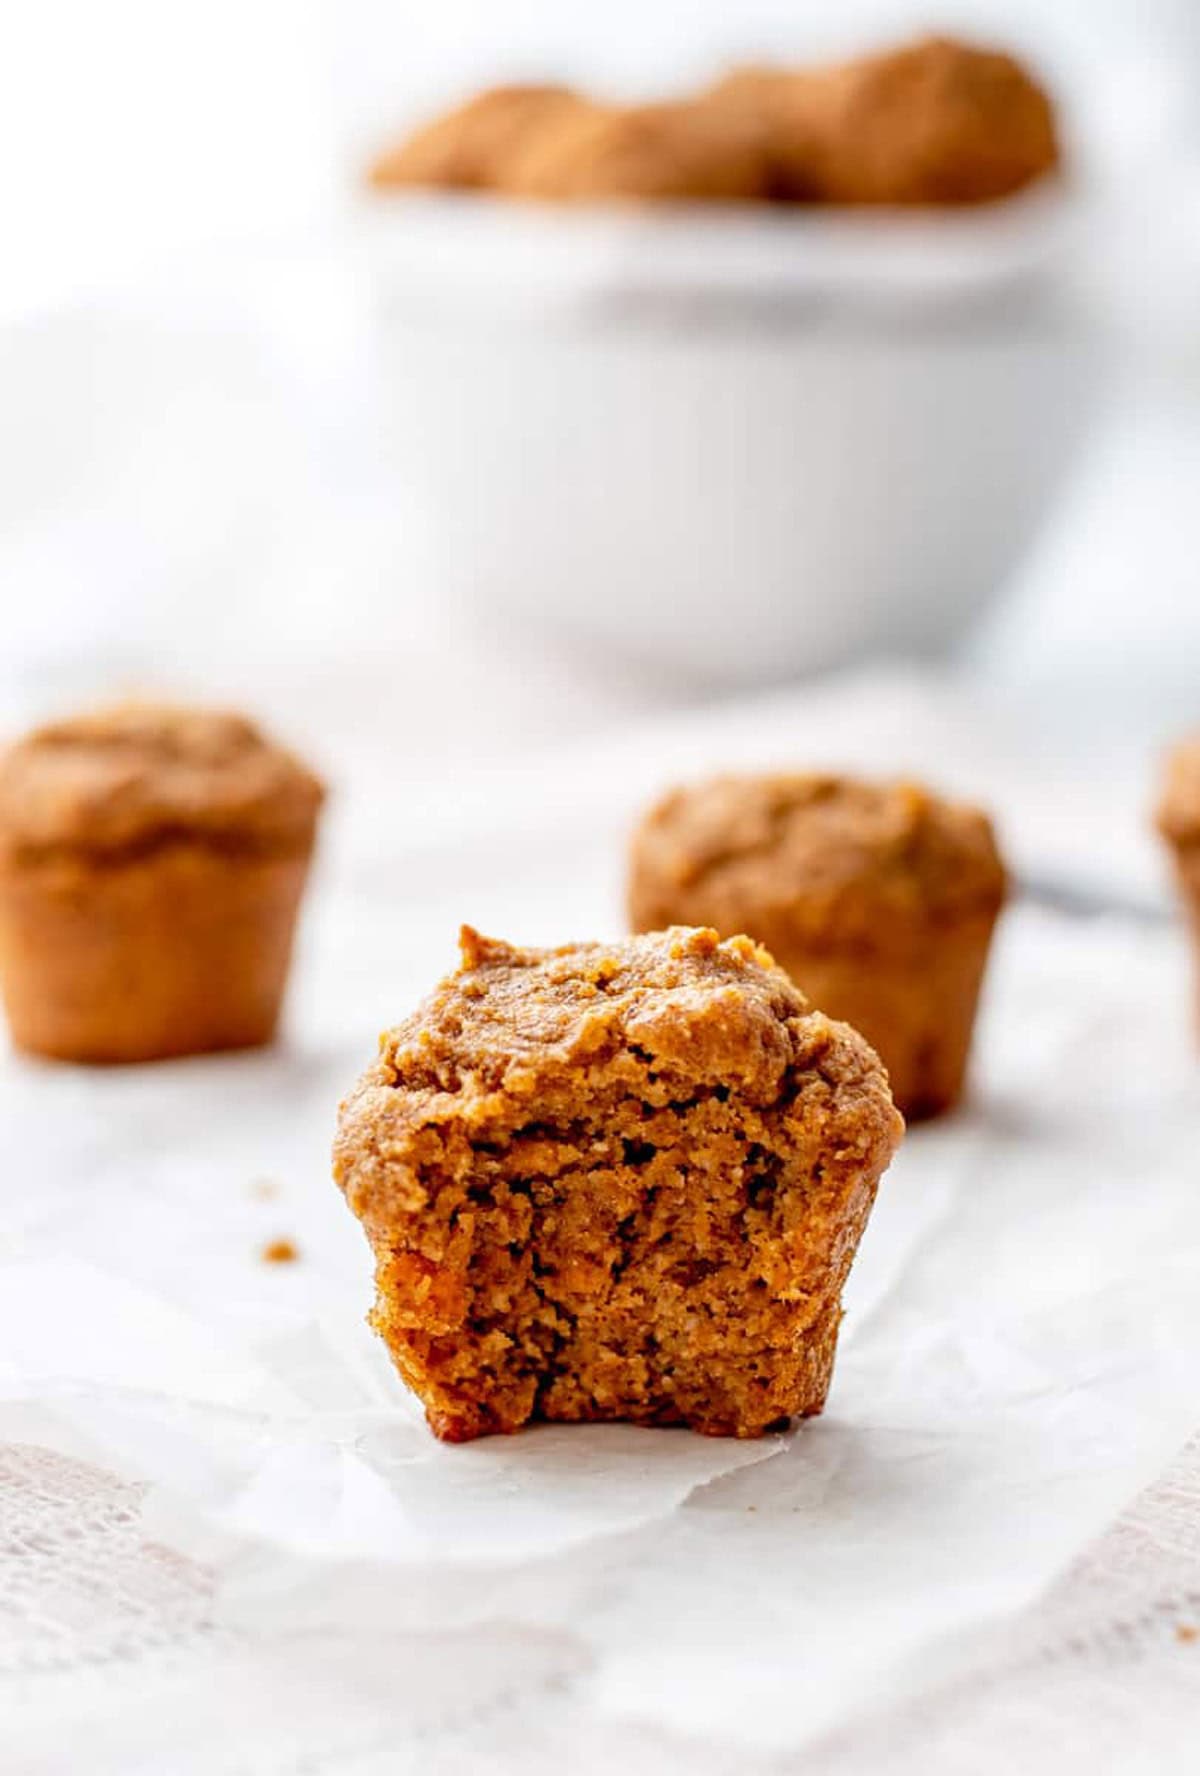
(280,1251)
(264,1189)
(1187,1632)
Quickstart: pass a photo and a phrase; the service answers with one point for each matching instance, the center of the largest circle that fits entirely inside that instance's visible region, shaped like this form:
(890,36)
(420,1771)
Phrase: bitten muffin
(1179,823)
(878,899)
(615,1181)
(685,150)
(468,147)
(152,862)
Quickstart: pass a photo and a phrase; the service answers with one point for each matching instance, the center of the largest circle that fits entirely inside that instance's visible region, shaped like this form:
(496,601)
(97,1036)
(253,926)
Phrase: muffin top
(535,1040)
(841,851)
(1179,804)
(680,995)
(138,774)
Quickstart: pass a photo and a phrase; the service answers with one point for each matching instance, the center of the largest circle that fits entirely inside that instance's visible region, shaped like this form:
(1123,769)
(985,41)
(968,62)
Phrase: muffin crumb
(280,1251)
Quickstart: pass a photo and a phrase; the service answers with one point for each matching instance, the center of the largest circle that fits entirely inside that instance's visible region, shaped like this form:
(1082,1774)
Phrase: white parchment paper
(1018,1354)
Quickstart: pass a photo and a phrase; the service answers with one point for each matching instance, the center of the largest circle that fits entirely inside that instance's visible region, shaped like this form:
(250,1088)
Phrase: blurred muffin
(784,106)
(152,863)
(878,899)
(1179,823)
(685,150)
(936,122)
(469,147)
(933,122)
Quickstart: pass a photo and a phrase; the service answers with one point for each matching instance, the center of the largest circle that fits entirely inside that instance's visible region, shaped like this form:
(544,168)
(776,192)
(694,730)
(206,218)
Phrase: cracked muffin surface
(134,775)
(615,1181)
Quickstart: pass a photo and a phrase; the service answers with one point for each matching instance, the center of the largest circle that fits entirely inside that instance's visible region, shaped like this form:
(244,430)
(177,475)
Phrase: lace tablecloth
(226,1548)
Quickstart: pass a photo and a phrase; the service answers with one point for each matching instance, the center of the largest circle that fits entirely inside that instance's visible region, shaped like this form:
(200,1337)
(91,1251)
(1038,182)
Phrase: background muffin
(1179,823)
(936,122)
(688,149)
(879,900)
(785,107)
(618,1181)
(933,122)
(469,147)
(152,862)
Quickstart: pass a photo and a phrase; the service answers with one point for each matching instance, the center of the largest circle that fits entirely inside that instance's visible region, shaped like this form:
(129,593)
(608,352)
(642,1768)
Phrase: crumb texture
(137,774)
(615,1181)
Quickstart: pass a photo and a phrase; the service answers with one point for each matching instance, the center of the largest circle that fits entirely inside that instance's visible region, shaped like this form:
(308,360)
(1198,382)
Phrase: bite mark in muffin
(615,1181)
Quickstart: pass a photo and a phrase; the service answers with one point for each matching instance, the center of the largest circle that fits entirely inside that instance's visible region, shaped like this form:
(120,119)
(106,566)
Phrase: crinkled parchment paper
(1018,1354)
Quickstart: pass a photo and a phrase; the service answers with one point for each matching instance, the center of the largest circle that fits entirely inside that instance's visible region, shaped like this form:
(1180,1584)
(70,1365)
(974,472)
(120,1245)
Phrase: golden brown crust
(184,950)
(121,779)
(836,853)
(152,863)
(615,1181)
(470,146)
(684,150)
(878,898)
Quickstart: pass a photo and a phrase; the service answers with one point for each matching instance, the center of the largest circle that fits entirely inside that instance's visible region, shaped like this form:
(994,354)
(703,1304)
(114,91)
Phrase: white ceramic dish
(732,446)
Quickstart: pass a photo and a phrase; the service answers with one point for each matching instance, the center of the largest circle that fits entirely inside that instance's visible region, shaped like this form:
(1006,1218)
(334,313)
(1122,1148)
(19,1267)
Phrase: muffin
(468,147)
(686,150)
(936,122)
(615,1181)
(878,899)
(1179,823)
(152,862)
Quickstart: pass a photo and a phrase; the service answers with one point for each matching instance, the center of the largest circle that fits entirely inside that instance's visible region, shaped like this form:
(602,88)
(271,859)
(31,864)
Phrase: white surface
(1016,1364)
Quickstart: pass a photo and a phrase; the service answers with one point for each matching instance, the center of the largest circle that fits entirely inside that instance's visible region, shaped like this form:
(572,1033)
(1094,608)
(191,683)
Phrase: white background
(131,131)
